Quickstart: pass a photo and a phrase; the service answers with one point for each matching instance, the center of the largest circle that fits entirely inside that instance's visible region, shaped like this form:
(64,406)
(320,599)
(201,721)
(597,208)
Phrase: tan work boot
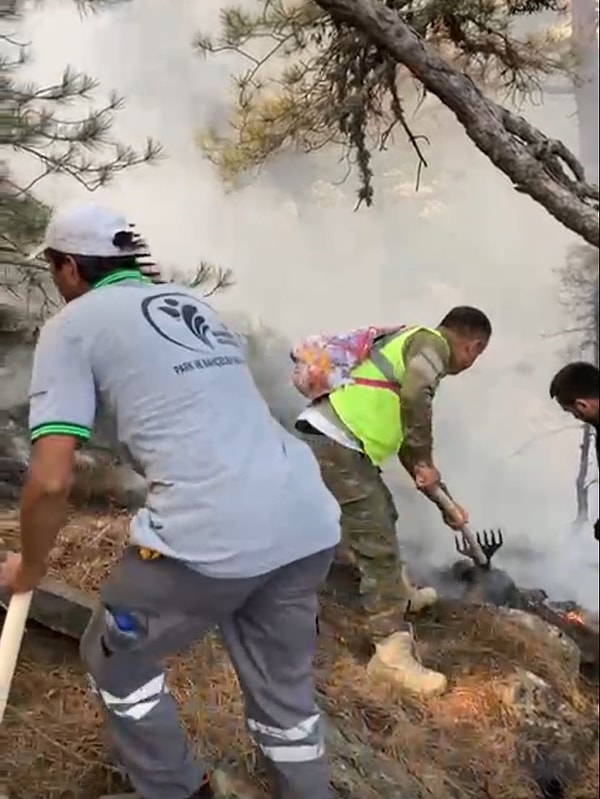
(417,599)
(395,661)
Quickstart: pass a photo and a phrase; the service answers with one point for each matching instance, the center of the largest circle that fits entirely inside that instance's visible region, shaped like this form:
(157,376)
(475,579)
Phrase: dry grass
(467,744)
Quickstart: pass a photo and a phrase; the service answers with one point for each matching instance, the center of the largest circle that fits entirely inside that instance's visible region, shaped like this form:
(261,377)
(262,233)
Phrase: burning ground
(519,720)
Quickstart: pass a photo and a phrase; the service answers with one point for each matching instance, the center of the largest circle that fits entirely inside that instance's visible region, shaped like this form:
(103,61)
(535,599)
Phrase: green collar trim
(119,276)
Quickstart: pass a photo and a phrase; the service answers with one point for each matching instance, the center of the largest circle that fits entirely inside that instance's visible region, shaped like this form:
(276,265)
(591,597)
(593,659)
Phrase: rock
(523,691)
(17,336)
(465,582)
(549,720)
(591,620)
(579,625)
(532,596)
(351,758)
(14,434)
(12,471)
(481,586)
(566,649)
(100,478)
(8,492)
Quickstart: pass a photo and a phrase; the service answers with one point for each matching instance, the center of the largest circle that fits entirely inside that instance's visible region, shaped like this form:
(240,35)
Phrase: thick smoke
(305,262)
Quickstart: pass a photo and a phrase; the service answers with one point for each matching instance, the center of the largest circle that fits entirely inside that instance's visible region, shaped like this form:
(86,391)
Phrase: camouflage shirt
(426,361)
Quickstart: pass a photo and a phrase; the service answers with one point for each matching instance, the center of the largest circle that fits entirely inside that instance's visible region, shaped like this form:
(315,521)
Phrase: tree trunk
(584,46)
(597,321)
(581,481)
(536,165)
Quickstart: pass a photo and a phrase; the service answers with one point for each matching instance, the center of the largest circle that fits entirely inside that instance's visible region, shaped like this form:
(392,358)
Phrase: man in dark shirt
(576,388)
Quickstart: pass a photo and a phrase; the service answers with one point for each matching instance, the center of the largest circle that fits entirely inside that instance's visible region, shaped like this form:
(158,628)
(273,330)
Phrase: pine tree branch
(536,165)
(330,84)
(79,147)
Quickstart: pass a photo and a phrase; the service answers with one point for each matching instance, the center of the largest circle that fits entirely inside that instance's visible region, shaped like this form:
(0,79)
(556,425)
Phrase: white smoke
(304,262)
(268,356)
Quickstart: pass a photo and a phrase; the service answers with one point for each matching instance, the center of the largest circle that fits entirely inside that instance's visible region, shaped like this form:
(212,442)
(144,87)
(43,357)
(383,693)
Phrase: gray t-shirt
(230,491)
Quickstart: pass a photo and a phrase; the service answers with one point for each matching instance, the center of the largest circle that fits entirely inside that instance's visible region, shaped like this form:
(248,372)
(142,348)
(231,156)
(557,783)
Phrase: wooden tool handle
(445,503)
(10,643)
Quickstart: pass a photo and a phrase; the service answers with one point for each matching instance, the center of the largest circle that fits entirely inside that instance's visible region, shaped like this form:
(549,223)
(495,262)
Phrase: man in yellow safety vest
(352,432)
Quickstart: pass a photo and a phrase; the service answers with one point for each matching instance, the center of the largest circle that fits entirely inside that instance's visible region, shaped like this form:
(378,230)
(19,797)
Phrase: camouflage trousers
(369,544)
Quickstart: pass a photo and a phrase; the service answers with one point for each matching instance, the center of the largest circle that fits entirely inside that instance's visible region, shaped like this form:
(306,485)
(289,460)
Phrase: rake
(480,547)
(489,543)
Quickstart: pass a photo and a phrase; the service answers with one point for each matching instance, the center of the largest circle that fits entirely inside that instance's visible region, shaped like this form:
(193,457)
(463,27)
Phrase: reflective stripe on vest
(372,412)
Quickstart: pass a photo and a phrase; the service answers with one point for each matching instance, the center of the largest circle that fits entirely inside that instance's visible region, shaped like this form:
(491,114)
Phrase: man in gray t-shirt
(238,523)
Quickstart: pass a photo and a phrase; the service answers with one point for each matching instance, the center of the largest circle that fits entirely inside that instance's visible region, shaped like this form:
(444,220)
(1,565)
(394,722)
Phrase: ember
(575,618)
(574,614)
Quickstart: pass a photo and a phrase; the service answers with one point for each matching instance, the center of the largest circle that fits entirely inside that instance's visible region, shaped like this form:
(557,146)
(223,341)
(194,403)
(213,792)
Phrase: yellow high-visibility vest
(371,413)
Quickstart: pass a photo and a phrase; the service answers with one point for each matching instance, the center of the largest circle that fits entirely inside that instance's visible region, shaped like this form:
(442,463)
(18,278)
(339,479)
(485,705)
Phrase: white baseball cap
(86,229)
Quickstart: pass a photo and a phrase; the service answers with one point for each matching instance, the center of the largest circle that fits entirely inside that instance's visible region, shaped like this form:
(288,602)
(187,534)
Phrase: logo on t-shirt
(182,320)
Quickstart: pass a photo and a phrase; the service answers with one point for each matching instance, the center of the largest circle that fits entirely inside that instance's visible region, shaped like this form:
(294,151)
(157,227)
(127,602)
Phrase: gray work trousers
(267,624)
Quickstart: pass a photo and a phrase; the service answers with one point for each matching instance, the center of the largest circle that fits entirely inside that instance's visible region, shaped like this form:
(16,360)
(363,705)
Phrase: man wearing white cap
(238,529)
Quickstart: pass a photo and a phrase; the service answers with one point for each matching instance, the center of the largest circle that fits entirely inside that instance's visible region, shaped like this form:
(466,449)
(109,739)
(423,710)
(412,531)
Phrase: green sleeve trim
(60,429)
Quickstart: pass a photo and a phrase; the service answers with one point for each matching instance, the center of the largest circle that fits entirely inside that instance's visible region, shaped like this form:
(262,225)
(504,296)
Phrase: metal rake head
(490,542)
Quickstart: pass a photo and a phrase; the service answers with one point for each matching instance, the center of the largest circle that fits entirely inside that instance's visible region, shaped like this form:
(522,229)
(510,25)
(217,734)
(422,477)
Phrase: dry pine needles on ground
(467,744)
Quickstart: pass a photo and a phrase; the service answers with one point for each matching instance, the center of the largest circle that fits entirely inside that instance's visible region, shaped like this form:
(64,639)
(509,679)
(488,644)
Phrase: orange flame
(575,617)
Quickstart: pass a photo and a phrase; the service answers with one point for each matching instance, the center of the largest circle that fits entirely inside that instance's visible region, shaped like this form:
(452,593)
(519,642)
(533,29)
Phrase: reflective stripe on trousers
(298,744)
(138,703)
